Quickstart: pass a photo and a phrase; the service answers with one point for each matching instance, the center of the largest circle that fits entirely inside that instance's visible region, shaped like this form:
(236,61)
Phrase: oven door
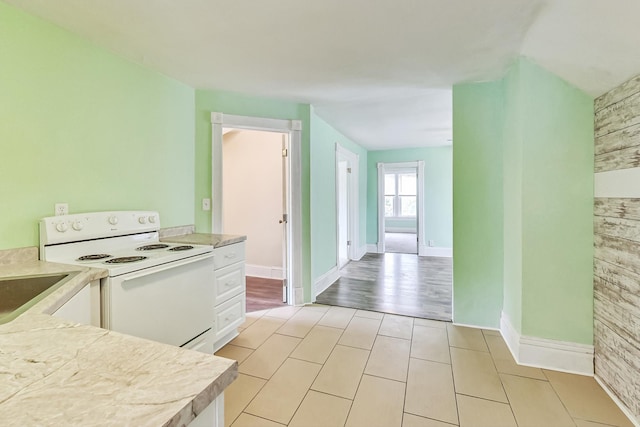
(171,303)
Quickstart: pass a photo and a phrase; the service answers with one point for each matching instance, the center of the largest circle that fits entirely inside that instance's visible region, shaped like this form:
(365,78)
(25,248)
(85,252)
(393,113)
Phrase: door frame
(353,208)
(419,167)
(293,272)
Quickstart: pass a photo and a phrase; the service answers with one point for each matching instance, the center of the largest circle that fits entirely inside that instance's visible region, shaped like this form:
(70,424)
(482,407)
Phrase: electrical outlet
(206,204)
(431,243)
(62,209)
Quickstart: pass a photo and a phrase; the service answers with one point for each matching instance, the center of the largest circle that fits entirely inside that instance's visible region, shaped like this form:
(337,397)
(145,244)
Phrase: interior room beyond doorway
(253,200)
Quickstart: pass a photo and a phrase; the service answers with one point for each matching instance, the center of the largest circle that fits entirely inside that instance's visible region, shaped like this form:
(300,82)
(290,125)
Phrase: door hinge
(348,170)
(284,219)
(285,152)
(285,282)
(348,242)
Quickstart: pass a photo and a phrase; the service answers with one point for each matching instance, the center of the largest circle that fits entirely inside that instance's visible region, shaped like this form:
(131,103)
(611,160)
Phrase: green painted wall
(207,101)
(477,203)
(323,194)
(82,126)
(557,207)
(523,204)
(438,217)
(512,192)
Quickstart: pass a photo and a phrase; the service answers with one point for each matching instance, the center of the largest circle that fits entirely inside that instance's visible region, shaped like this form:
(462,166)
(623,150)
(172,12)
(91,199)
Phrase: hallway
(403,284)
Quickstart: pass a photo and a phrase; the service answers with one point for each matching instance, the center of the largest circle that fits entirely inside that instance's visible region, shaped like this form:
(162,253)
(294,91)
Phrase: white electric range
(159,291)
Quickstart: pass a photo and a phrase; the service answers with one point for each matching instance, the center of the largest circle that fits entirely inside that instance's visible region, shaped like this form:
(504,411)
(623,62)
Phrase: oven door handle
(167,266)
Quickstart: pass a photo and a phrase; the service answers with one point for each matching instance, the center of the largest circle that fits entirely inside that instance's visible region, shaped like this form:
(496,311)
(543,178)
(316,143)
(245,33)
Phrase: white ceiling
(379,71)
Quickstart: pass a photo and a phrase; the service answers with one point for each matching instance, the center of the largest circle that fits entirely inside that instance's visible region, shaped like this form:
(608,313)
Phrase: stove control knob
(77,225)
(142,220)
(152,219)
(113,220)
(62,227)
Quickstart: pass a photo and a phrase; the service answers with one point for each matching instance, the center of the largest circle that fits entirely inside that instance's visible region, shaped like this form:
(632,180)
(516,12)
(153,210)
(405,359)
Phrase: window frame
(397,203)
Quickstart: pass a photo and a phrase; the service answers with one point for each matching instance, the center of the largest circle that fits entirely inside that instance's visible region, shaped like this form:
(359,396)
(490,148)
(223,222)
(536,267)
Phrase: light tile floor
(332,366)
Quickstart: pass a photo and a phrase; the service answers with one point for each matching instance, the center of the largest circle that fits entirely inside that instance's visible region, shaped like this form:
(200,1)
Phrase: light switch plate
(206,204)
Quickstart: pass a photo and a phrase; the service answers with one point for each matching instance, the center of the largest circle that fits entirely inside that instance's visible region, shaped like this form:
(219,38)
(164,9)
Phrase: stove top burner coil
(93,257)
(125,259)
(152,247)
(181,248)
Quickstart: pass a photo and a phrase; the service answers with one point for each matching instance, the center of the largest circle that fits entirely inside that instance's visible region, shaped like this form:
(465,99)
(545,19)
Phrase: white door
(343,212)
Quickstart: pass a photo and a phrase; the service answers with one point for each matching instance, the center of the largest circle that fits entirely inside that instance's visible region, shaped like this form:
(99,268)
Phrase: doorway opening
(253,204)
(400,210)
(347,172)
(285,138)
(401,207)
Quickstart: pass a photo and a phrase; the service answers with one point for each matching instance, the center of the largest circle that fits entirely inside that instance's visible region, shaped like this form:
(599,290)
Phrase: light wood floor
(333,366)
(263,293)
(404,284)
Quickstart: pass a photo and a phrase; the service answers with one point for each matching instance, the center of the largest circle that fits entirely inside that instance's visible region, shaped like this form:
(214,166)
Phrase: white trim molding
(372,248)
(432,251)
(380,245)
(394,167)
(219,120)
(574,358)
(353,161)
(264,271)
(362,250)
(324,281)
(617,183)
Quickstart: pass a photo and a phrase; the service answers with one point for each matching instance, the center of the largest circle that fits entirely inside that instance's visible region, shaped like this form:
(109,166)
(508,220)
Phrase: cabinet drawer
(229,282)
(229,315)
(227,255)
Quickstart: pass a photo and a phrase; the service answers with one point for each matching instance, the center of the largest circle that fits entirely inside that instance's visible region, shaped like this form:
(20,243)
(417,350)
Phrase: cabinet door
(83,307)
(229,315)
(229,282)
(227,255)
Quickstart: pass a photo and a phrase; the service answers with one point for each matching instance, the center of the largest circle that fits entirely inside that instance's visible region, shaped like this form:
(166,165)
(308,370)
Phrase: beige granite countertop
(215,240)
(54,372)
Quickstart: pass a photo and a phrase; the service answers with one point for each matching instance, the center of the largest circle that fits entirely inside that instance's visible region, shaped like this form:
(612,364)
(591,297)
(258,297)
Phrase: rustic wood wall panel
(619,140)
(623,159)
(617,208)
(615,95)
(617,248)
(618,116)
(618,359)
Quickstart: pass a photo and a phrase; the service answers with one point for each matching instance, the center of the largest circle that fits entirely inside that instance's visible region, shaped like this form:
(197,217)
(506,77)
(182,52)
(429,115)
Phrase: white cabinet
(212,415)
(230,292)
(83,307)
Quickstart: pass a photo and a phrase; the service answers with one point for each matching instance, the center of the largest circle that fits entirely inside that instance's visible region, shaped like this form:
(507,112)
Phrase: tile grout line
(363,369)
(453,377)
(277,369)
(499,377)
(560,399)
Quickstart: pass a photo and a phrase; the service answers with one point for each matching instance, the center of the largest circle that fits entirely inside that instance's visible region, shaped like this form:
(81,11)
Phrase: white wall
(252,196)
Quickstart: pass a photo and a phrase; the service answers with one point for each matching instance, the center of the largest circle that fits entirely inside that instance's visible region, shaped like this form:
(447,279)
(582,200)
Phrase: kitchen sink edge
(170,385)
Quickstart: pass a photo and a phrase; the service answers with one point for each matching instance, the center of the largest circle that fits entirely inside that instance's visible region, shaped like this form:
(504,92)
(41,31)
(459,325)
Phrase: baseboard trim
(574,358)
(433,251)
(362,250)
(625,410)
(466,325)
(264,271)
(324,281)
(372,248)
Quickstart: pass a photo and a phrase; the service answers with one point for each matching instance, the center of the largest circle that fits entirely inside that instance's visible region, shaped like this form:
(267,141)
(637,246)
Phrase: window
(400,194)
